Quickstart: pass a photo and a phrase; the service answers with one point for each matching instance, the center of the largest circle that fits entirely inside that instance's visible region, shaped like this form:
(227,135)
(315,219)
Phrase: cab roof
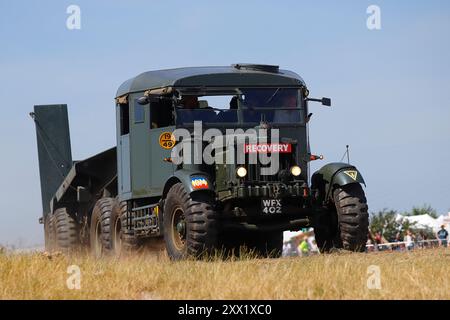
(238,75)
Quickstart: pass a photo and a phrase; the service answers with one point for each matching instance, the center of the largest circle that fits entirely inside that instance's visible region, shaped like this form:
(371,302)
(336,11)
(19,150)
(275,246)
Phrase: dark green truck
(151,188)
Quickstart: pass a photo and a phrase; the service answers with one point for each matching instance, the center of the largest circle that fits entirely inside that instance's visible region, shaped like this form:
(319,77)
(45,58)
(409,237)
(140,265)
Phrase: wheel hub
(181,228)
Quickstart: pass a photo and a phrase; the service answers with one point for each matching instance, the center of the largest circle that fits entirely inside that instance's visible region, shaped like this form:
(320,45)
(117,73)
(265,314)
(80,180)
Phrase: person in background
(409,239)
(285,250)
(303,248)
(369,245)
(425,239)
(378,240)
(313,248)
(289,249)
(442,236)
(419,240)
(397,238)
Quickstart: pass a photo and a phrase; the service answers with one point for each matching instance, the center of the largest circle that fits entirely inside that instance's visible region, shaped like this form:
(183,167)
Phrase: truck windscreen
(248,105)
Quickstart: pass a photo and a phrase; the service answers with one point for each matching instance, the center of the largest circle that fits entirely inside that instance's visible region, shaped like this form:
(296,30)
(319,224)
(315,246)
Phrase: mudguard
(192,181)
(335,174)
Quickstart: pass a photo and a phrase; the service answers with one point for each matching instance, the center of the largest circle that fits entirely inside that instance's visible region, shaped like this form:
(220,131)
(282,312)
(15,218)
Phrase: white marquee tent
(425,220)
(422,221)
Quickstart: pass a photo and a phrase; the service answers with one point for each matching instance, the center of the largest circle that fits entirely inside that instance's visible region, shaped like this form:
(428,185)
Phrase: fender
(192,180)
(332,175)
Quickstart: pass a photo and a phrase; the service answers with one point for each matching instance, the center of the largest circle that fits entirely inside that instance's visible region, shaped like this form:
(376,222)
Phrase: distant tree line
(385,223)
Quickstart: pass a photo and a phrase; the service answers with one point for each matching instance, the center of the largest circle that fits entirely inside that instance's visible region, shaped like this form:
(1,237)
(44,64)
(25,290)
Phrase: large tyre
(100,234)
(46,233)
(67,238)
(50,233)
(190,228)
(346,226)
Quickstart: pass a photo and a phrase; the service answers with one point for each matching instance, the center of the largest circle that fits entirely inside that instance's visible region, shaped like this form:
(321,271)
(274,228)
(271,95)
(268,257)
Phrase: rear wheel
(345,227)
(46,233)
(100,229)
(66,230)
(50,233)
(189,223)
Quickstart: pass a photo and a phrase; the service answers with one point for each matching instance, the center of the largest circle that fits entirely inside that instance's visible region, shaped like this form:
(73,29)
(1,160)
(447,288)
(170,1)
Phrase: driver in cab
(191,110)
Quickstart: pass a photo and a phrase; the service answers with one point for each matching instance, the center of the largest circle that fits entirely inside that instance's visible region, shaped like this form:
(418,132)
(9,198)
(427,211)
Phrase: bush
(385,222)
(425,209)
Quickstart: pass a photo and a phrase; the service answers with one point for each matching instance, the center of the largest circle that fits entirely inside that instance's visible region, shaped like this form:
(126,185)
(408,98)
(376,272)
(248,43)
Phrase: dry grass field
(422,274)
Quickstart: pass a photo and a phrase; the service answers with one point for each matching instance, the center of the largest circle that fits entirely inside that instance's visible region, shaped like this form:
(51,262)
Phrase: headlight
(295,170)
(241,172)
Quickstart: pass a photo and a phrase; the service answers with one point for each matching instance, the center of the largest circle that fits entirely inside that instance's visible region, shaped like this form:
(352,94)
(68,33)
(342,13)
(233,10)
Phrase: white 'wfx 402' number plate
(271,206)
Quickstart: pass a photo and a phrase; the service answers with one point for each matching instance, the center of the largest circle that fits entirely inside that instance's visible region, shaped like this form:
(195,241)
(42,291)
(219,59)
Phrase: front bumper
(273,190)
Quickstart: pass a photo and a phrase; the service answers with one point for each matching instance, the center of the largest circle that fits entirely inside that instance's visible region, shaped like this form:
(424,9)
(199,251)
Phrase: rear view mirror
(326,102)
(143,101)
(323,101)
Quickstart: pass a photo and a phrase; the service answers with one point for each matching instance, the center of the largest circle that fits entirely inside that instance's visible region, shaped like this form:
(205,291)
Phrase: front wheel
(346,225)
(189,223)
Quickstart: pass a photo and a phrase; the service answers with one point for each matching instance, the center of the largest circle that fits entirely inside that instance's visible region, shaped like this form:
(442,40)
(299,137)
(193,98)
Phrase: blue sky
(390,87)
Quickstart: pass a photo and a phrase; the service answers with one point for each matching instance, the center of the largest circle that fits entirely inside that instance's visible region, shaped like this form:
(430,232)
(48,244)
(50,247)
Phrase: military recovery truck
(115,200)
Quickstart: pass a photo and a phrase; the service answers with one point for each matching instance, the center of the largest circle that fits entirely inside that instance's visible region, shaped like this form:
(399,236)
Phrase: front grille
(254,171)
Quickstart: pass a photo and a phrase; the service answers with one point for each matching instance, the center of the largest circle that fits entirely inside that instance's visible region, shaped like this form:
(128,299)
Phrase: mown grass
(404,275)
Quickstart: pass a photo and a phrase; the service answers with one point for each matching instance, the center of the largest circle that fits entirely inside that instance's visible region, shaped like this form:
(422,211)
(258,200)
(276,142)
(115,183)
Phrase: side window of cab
(161,114)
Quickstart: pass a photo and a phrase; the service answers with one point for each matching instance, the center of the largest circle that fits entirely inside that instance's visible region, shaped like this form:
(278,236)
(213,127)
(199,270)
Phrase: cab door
(161,144)
(123,151)
(160,149)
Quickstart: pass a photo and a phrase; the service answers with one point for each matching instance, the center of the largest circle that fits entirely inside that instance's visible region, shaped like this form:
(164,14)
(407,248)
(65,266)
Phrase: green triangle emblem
(352,174)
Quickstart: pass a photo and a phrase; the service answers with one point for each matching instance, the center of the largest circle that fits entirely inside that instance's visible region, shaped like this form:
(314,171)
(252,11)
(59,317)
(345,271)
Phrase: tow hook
(276,191)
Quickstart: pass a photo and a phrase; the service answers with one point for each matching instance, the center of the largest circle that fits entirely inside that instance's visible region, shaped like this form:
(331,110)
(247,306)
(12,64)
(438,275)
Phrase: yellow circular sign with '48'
(166,140)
